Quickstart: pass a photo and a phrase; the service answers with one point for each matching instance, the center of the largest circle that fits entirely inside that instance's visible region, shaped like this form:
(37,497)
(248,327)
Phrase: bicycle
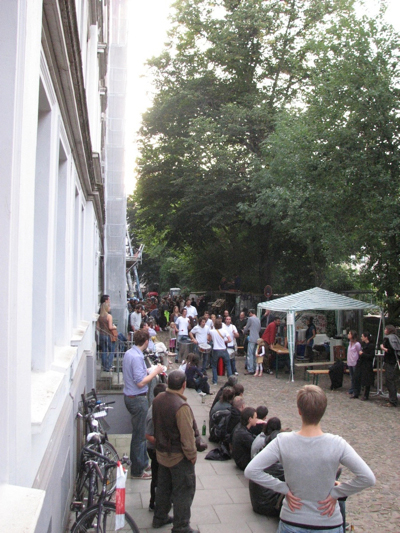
(96,440)
(101,516)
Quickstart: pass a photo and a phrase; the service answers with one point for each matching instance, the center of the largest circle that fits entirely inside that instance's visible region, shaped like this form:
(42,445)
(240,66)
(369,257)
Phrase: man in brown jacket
(176,454)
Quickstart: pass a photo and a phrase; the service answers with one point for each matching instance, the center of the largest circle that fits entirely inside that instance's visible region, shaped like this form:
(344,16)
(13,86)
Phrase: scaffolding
(115,197)
(133,259)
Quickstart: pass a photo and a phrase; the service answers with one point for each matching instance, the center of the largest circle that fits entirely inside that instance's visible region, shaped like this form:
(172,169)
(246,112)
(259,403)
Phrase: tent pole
(291,331)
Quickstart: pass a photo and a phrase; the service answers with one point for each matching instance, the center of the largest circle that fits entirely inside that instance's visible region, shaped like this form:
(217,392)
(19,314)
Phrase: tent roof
(315,298)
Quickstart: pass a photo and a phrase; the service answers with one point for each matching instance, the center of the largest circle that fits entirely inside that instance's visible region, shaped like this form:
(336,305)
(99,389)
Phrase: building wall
(52,215)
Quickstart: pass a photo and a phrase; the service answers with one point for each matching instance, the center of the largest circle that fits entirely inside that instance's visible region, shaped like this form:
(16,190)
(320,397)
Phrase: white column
(20,41)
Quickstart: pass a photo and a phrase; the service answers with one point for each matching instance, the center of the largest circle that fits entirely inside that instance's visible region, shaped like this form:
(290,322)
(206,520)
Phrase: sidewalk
(222,501)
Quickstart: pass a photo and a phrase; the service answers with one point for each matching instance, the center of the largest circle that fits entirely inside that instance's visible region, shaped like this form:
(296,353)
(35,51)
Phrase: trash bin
(186,346)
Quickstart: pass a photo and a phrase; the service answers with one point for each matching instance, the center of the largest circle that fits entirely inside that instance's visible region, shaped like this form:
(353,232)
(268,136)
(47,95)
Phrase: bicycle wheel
(111,453)
(89,495)
(88,521)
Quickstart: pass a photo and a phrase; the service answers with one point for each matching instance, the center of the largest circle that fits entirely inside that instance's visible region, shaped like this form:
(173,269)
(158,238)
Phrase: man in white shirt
(136,318)
(191,310)
(208,320)
(231,346)
(199,335)
(220,339)
(182,325)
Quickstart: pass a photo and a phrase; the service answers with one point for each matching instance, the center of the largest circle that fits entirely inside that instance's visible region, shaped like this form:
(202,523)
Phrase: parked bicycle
(100,517)
(93,412)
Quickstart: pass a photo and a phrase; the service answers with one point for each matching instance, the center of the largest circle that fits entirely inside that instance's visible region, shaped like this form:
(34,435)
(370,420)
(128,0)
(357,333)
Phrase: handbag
(114,335)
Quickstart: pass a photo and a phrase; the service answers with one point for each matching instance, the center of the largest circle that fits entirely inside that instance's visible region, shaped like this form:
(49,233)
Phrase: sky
(147,34)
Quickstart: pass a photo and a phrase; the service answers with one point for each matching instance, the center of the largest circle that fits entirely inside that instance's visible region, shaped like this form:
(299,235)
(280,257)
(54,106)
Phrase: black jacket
(241,446)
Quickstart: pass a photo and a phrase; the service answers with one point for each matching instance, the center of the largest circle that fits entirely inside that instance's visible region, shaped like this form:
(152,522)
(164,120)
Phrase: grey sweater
(253,326)
(310,465)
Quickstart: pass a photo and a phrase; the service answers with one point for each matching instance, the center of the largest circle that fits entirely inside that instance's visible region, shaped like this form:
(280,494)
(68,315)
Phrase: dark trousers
(390,382)
(138,407)
(176,484)
(154,476)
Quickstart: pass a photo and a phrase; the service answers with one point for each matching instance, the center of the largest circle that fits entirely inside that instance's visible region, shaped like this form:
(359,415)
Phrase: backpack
(219,424)
(336,372)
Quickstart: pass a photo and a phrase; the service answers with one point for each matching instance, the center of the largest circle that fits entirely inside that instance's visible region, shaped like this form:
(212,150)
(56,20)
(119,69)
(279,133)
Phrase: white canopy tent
(312,299)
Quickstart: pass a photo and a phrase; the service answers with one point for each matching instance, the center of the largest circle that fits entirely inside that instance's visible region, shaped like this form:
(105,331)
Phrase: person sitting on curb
(243,439)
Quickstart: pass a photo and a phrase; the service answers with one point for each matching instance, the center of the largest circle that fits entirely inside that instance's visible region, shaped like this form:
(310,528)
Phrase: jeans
(251,356)
(138,407)
(390,382)
(107,351)
(205,362)
(352,370)
(176,484)
(287,528)
(216,354)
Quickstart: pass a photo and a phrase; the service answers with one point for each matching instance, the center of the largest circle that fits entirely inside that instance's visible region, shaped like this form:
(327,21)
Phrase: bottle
(204,429)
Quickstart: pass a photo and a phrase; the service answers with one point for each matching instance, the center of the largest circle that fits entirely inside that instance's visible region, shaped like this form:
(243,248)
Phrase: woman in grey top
(310,460)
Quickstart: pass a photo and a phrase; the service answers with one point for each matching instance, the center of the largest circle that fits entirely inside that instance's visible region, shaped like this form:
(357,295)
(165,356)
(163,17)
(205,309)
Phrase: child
(260,357)
(172,337)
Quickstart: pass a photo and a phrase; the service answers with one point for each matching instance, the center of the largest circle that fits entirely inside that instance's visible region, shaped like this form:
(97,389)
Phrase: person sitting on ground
(151,446)
(243,439)
(311,499)
(259,443)
(237,407)
(264,501)
(225,402)
(195,379)
(232,380)
(238,389)
(262,413)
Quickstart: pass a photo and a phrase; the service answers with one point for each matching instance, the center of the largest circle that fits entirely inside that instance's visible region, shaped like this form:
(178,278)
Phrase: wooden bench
(310,366)
(316,373)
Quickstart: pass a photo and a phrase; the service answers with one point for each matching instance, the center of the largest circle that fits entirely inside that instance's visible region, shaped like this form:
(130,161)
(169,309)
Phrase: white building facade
(54,57)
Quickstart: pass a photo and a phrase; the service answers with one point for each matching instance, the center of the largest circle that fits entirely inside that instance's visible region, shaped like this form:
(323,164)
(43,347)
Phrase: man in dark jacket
(243,439)
(176,454)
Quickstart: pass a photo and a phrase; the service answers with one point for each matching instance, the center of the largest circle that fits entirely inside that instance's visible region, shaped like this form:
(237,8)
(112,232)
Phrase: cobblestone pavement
(370,427)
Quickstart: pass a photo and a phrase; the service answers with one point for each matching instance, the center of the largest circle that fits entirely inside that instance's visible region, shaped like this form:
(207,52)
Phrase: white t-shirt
(231,329)
(209,323)
(191,311)
(200,334)
(219,340)
(183,325)
(136,320)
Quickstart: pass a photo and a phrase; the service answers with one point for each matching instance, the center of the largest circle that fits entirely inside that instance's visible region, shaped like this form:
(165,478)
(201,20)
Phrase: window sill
(15,516)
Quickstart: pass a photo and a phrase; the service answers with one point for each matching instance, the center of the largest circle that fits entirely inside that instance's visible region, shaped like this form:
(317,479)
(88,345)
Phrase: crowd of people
(165,438)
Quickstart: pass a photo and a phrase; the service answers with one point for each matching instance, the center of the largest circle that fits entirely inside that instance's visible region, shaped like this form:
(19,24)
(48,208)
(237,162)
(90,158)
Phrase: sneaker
(144,475)
(159,523)
(148,468)
(236,373)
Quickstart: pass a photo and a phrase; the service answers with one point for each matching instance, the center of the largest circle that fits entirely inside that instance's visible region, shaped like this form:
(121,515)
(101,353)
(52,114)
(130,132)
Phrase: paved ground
(222,501)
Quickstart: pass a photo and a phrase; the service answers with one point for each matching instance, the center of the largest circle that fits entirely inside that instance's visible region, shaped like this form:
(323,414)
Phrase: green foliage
(340,154)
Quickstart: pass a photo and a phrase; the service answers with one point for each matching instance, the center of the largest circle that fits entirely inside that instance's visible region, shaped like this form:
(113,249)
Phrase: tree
(228,70)
(336,160)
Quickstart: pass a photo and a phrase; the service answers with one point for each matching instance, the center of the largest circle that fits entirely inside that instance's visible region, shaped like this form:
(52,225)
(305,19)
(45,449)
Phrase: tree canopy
(272,142)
